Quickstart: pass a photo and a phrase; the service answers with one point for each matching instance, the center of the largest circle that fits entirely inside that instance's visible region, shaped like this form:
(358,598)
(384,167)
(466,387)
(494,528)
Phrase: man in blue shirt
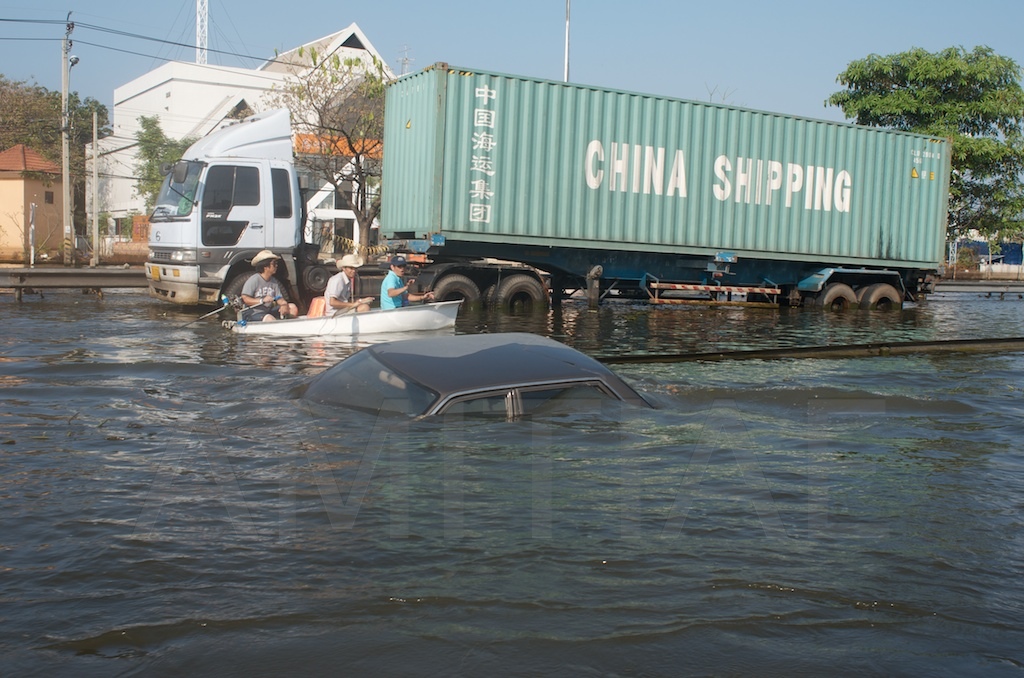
(394,293)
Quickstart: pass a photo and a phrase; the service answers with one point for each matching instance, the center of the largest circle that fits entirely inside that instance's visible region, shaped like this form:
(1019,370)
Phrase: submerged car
(497,375)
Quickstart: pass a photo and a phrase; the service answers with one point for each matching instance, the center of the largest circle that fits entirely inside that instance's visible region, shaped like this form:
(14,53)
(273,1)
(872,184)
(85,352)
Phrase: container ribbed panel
(493,157)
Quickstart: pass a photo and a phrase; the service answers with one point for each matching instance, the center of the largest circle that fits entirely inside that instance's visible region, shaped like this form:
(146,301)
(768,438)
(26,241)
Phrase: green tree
(155,150)
(973,98)
(31,115)
(337,107)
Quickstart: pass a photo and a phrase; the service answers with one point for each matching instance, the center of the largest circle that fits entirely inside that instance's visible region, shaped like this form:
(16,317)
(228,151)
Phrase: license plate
(154,272)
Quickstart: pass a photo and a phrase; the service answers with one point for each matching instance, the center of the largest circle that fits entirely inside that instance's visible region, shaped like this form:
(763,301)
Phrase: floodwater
(168,507)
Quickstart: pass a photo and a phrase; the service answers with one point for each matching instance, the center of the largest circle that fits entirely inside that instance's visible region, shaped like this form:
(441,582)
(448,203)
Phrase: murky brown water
(169,508)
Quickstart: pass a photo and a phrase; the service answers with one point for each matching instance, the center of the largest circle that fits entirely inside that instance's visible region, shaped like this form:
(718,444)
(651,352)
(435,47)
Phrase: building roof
(350,40)
(21,158)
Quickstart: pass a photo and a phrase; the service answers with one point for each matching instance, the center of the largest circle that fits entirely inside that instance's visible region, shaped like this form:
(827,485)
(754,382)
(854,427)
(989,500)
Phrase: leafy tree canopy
(31,115)
(337,107)
(973,98)
(155,150)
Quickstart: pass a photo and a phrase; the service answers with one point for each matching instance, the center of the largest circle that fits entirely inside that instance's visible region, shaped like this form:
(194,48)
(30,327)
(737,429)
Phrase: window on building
(48,197)
(344,234)
(339,196)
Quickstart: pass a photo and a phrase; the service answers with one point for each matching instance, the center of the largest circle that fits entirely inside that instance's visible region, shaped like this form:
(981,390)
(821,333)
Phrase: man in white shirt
(339,288)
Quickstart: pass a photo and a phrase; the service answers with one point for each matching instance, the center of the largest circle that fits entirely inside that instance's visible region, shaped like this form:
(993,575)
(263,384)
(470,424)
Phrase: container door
(233,214)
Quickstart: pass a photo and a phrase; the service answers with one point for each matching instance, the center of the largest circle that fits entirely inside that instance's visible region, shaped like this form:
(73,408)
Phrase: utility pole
(95,261)
(66,62)
(567,40)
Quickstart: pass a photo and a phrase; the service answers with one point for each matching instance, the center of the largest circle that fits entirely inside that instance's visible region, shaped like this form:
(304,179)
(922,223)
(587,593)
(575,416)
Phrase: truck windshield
(177,199)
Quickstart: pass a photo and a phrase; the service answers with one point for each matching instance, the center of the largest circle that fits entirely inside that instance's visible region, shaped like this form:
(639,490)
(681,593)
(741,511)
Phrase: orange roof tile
(313,145)
(21,158)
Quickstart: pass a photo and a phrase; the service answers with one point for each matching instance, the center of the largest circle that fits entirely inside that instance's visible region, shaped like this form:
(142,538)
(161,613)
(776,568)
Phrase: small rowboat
(422,317)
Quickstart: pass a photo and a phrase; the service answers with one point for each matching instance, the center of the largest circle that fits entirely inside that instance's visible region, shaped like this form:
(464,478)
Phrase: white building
(192,100)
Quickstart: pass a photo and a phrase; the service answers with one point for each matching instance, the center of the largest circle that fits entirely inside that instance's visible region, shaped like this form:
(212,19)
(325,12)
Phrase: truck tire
(879,297)
(520,293)
(456,286)
(233,288)
(233,291)
(315,279)
(837,297)
(487,295)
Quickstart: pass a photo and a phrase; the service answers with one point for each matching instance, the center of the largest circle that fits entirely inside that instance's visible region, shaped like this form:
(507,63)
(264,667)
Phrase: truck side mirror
(180,172)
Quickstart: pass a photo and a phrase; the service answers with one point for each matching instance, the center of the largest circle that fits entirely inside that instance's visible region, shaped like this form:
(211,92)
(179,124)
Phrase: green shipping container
(493,158)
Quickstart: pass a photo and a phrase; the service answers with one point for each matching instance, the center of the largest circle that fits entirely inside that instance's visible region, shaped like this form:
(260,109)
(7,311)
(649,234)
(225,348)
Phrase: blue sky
(780,55)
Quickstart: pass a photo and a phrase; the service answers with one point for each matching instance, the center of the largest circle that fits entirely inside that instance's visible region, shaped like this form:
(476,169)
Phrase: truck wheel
(837,297)
(233,289)
(315,279)
(520,293)
(456,286)
(487,296)
(879,297)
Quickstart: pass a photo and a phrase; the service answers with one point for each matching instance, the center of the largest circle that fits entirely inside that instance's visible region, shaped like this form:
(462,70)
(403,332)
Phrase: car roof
(482,361)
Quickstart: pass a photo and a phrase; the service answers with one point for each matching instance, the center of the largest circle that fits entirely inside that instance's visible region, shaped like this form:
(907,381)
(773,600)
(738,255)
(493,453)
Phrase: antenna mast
(202,17)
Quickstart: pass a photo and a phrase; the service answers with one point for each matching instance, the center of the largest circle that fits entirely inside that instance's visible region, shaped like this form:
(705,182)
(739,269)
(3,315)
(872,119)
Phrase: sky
(773,55)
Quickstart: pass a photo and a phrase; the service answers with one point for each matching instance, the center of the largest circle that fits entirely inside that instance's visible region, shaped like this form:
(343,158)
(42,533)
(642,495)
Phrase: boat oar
(225,303)
(224,300)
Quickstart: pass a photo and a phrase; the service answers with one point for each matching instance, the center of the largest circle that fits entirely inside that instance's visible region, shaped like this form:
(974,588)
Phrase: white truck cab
(233,193)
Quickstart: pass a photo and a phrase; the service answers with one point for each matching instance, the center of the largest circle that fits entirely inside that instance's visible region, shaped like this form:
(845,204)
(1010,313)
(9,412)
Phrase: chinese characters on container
(484,144)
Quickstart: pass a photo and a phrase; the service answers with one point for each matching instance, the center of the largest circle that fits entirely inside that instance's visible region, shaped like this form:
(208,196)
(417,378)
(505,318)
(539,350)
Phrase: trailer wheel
(879,297)
(520,293)
(837,297)
(456,286)
(487,295)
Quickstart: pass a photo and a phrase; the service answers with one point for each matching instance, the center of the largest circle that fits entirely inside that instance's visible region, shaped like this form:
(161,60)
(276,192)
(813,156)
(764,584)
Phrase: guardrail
(981,286)
(96,279)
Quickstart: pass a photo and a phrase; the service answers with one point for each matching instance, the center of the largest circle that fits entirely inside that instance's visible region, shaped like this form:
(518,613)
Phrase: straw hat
(350,260)
(263,256)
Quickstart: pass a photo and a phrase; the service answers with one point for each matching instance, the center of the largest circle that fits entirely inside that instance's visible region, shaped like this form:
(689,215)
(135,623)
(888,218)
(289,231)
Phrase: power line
(137,36)
(126,34)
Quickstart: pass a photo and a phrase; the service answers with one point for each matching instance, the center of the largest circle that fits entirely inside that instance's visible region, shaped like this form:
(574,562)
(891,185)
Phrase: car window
(364,383)
(528,400)
(576,396)
(478,405)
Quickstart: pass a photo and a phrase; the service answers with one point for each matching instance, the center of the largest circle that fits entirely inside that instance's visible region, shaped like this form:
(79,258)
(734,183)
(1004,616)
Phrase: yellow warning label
(914,174)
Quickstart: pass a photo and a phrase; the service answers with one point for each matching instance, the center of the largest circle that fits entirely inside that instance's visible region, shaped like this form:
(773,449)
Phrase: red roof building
(21,158)
(31,207)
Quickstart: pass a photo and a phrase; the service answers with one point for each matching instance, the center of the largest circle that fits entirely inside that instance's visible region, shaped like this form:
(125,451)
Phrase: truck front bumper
(176,283)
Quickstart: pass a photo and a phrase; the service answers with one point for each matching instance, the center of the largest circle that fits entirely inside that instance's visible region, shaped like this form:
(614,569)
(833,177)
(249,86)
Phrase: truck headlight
(183,255)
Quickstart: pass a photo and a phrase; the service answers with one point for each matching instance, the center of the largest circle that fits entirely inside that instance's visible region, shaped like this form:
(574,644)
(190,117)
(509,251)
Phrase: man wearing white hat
(339,288)
(262,293)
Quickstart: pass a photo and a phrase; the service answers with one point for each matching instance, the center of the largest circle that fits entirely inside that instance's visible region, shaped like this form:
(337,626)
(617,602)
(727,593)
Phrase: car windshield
(364,383)
(176,199)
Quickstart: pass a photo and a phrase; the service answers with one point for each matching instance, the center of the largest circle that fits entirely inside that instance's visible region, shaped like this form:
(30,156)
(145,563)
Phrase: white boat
(437,316)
